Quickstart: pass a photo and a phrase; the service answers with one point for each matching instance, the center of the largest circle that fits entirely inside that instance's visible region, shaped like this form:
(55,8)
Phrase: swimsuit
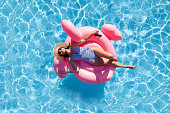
(86,54)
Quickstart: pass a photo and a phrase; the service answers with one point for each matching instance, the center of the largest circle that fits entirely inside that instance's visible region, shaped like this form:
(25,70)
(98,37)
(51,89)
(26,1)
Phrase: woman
(92,55)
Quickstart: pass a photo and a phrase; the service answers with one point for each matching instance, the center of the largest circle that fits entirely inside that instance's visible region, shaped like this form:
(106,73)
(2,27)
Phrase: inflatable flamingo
(89,73)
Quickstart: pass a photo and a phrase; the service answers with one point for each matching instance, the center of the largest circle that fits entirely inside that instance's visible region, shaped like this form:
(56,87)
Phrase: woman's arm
(88,36)
(74,65)
(84,39)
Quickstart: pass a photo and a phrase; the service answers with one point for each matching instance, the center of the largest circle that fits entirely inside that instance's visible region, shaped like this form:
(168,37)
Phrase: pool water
(29,29)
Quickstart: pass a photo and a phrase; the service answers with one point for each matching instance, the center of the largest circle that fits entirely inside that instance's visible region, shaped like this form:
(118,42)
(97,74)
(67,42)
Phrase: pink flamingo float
(89,73)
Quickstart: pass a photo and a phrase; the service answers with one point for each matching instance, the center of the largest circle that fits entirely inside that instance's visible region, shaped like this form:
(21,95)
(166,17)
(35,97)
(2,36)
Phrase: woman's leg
(105,61)
(102,53)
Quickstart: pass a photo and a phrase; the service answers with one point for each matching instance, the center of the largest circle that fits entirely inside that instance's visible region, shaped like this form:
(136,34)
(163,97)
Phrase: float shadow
(85,90)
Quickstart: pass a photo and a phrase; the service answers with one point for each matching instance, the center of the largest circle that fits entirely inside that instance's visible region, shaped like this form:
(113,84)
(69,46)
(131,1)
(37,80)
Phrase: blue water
(29,29)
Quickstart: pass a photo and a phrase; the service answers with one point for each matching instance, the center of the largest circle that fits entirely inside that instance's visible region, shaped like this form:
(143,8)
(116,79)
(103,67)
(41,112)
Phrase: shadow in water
(85,90)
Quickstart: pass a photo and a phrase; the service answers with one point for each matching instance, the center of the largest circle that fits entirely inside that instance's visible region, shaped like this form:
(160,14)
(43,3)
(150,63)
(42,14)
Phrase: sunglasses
(59,51)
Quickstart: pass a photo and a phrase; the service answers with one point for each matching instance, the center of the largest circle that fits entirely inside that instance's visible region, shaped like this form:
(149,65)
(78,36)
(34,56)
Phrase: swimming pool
(29,29)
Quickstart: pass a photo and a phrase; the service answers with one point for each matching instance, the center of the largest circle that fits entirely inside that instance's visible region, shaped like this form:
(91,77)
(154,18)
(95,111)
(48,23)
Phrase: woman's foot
(132,67)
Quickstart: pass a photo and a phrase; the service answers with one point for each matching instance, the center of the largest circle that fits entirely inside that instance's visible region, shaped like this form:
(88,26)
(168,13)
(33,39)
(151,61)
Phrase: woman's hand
(63,72)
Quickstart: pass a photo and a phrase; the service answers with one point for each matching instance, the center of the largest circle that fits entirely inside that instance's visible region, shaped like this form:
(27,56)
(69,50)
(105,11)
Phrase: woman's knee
(110,55)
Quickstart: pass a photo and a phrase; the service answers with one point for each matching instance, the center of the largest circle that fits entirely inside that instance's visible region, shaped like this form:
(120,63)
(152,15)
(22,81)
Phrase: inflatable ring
(89,73)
